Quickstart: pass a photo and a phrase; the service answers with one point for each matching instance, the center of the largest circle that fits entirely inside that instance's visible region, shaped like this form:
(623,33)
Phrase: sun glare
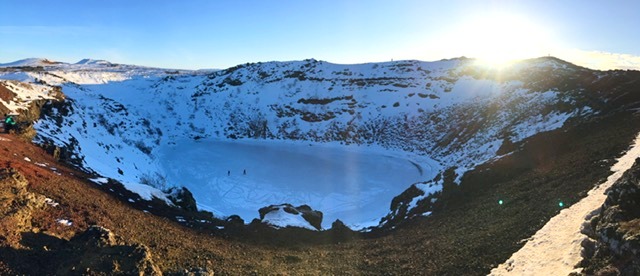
(498,39)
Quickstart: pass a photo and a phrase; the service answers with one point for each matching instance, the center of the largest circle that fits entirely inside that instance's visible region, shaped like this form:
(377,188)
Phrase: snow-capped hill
(93,61)
(86,71)
(30,62)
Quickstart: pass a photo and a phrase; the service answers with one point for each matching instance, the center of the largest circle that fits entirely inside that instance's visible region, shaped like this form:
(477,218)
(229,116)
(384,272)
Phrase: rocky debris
(313,217)
(198,271)
(615,231)
(16,207)
(100,251)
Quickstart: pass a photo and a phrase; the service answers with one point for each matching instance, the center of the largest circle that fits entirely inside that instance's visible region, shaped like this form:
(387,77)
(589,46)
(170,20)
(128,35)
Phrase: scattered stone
(102,252)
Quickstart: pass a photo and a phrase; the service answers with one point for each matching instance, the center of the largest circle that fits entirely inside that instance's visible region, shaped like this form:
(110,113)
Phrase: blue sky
(219,34)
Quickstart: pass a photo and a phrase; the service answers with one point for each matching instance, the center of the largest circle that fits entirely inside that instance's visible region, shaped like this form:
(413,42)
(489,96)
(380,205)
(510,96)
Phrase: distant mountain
(30,62)
(93,61)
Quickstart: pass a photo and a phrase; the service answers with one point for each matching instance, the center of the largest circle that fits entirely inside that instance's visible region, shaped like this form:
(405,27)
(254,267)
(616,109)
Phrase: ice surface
(352,184)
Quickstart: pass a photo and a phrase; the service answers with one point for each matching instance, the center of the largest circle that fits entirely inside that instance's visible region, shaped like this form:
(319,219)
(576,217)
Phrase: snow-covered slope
(437,115)
(16,96)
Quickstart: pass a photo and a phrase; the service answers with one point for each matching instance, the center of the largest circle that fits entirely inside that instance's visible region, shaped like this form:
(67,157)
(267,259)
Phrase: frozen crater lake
(353,184)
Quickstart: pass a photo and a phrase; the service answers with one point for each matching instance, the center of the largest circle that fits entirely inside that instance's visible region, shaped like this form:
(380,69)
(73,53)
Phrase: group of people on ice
(244,172)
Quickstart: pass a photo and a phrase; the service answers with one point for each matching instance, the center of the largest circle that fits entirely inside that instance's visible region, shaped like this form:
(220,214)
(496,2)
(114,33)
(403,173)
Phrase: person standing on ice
(244,172)
(228,173)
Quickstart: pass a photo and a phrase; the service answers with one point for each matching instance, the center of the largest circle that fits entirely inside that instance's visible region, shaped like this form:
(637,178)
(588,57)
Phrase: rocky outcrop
(16,207)
(420,199)
(99,251)
(286,215)
(615,248)
(183,198)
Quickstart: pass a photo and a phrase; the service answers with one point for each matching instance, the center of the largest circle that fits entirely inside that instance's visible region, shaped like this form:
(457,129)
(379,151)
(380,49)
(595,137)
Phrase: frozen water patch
(353,184)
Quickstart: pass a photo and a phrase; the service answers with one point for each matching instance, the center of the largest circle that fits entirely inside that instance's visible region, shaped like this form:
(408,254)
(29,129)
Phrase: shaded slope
(470,232)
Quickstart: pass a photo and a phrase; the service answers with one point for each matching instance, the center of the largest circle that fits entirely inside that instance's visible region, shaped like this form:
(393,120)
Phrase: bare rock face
(183,198)
(616,230)
(16,206)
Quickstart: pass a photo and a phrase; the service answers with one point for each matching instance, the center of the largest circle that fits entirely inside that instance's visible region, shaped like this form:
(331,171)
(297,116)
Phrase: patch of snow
(100,180)
(51,202)
(539,124)
(27,159)
(64,222)
(426,214)
(364,226)
(147,192)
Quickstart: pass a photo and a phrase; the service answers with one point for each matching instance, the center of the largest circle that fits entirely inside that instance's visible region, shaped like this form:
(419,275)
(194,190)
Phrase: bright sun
(497,39)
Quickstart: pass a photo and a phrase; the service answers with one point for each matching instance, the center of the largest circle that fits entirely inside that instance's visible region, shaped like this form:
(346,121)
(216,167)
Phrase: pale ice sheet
(352,184)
